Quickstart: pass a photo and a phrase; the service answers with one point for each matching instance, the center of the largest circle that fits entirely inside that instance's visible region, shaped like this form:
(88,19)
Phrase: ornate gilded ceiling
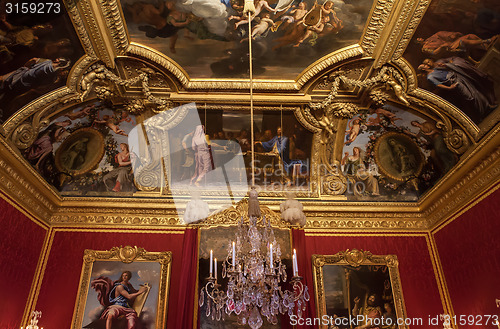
(365,110)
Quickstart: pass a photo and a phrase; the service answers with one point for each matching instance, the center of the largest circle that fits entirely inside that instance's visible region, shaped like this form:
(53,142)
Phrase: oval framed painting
(398,156)
(81,152)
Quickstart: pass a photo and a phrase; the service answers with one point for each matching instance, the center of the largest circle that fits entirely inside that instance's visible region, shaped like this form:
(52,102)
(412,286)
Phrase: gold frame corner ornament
(356,258)
(126,255)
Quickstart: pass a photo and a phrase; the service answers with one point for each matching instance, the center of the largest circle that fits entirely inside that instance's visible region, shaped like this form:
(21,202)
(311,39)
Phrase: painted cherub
(353,132)
(327,9)
(295,16)
(81,113)
(382,112)
(259,5)
(109,121)
(318,29)
(264,24)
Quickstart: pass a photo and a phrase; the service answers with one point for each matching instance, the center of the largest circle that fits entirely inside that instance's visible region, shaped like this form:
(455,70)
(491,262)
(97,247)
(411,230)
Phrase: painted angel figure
(118,298)
(354,130)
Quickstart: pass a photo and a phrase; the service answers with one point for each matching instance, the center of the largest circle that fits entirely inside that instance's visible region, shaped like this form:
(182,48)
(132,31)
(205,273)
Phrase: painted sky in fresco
(215,48)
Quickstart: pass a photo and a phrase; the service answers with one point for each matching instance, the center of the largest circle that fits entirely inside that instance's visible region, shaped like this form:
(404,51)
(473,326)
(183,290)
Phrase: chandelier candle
(295,267)
(211,262)
(234,254)
(215,266)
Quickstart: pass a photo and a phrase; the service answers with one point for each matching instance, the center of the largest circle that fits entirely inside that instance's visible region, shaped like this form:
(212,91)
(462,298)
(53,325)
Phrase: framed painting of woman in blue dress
(123,288)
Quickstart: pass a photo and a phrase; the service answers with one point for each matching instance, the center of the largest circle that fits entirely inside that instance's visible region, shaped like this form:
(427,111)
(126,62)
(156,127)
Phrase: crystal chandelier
(255,274)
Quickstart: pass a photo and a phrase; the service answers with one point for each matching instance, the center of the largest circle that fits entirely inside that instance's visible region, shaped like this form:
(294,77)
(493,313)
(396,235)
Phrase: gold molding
(378,20)
(16,181)
(356,258)
(327,213)
(440,277)
(100,27)
(450,220)
(113,17)
(74,13)
(170,66)
(412,23)
(38,277)
(126,255)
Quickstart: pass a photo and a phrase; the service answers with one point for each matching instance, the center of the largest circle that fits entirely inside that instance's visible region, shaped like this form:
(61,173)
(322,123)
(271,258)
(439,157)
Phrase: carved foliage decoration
(233,215)
(105,84)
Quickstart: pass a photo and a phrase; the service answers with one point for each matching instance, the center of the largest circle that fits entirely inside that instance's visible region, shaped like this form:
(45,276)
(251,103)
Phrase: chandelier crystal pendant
(255,275)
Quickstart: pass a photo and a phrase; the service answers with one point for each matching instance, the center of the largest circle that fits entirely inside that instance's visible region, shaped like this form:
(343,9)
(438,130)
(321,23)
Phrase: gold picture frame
(80,152)
(398,156)
(349,265)
(153,268)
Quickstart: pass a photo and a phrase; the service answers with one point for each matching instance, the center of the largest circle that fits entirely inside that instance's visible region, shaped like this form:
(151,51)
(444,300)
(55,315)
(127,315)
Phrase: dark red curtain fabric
(184,309)
(305,270)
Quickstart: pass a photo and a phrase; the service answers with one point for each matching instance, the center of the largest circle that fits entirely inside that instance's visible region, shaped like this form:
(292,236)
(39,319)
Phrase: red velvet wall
(469,249)
(420,290)
(61,280)
(20,246)
(62,275)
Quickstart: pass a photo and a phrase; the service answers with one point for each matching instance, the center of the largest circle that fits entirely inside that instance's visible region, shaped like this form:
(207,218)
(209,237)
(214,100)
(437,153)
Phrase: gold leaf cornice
(235,214)
(186,83)
(379,19)
(413,22)
(408,18)
(88,10)
(15,184)
(481,178)
(114,21)
(327,62)
(79,25)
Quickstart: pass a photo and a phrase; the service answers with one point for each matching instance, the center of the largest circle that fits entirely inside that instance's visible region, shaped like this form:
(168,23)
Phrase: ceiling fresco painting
(86,150)
(99,149)
(452,50)
(390,153)
(209,38)
(37,52)
(282,149)
(158,105)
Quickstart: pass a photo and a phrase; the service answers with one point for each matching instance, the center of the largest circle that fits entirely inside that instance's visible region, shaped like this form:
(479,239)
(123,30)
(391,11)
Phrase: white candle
(234,255)
(271,255)
(211,262)
(295,267)
(215,265)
